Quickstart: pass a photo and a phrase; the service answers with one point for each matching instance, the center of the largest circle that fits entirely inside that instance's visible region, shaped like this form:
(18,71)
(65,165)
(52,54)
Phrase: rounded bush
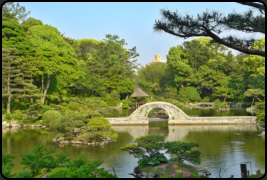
(51,115)
(190,93)
(206,99)
(18,115)
(74,106)
(112,102)
(125,106)
(46,108)
(39,101)
(65,99)
(3,111)
(8,116)
(124,101)
(64,104)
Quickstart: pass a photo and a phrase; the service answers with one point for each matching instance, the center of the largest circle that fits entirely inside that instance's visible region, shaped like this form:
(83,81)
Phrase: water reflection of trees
(218,143)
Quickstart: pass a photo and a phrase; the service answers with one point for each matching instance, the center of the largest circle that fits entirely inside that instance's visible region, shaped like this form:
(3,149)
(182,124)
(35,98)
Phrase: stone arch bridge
(177,116)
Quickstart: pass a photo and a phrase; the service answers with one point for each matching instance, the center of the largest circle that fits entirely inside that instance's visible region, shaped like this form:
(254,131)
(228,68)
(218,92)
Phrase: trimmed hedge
(51,115)
(112,102)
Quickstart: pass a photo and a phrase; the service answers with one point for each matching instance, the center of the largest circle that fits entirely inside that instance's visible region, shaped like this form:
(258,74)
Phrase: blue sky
(132,21)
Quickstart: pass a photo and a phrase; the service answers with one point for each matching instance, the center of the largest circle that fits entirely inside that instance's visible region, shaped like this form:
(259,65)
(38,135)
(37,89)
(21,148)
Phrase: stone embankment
(223,109)
(62,140)
(200,105)
(6,124)
(251,109)
(262,130)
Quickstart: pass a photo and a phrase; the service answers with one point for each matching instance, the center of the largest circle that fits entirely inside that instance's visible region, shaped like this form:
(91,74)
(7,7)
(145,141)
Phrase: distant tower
(157,58)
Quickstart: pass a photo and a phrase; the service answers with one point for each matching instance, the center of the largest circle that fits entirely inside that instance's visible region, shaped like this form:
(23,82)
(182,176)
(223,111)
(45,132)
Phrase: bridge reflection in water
(179,132)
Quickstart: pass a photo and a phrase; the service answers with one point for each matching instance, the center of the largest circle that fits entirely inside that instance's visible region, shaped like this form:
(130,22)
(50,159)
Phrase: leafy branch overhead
(212,24)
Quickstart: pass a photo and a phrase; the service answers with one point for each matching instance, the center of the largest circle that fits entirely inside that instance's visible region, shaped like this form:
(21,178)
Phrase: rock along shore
(6,124)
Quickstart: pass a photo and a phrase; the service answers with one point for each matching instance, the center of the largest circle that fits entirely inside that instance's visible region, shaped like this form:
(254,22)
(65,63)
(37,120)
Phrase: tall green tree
(11,10)
(196,53)
(10,73)
(176,61)
(106,65)
(24,83)
(255,93)
(55,56)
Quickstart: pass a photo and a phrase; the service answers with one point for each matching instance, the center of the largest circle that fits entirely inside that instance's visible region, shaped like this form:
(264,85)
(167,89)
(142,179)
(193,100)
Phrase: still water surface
(221,146)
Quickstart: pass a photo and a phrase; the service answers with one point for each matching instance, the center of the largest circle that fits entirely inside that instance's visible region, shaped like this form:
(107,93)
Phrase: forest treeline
(39,62)
(200,70)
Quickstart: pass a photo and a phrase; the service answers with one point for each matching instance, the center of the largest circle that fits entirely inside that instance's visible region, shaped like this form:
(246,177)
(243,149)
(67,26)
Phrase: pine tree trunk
(8,91)
(31,97)
(182,84)
(18,104)
(257,98)
(252,101)
(127,97)
(8,104)
(46,88)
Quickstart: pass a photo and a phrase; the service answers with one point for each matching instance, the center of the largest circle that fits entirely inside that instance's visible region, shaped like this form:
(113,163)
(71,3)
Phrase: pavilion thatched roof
(138,92)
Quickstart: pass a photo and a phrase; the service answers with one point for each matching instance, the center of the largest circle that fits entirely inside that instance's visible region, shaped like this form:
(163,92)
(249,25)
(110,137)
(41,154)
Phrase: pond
(221,146)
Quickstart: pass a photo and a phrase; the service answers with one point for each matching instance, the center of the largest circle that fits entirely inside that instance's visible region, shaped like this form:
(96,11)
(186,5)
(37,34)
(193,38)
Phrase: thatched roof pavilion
(138,92)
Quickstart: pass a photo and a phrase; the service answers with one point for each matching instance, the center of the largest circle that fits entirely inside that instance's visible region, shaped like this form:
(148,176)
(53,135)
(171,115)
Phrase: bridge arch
(174,113)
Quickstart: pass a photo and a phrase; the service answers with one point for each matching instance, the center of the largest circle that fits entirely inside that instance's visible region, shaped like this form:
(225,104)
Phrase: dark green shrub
(100,128)
(115,94)
(124,101)
(219,104)
(51,115)
(39,163)
(154,160)
(104,99)
(3,111)
(182,151)
(7,164)
(8,116)
(112,102)
(65,99)
(149,144)
(18,115)
(131,102)
(34,109)
(190,93)
(53,99)
(93,114)
(109,111)
(125,106)
(60,108)
(99,124)
(64,104)
(74,106)
(82,167)
(206,99)
(46,108)
(260,111)
(95,136)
